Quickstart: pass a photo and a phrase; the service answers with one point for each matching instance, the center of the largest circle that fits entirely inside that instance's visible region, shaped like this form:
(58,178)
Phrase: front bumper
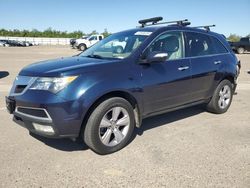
(46,114)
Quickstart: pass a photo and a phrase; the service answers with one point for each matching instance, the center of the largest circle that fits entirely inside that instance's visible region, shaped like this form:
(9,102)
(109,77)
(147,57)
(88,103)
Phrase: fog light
(44,128)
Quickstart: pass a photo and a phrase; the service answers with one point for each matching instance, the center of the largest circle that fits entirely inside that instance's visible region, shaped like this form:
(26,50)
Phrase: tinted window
(219,48)
(198,44)
(244,40)
(170,43)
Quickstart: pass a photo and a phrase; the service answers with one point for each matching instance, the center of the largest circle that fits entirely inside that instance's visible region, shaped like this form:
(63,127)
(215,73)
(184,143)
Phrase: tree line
(235,37)
(50,33)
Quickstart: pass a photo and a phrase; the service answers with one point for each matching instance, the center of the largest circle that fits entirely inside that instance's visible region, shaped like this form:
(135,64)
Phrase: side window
(93,38)
(100,37)
(198,44)
(219,47)
(170,43)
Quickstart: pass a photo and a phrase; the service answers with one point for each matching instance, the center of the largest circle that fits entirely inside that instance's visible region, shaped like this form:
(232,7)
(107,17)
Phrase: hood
(60,67)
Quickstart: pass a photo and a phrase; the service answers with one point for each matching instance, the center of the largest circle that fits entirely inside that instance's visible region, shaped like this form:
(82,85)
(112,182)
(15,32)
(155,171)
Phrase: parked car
(242,46)
(16,43)
(102,95)
(73,41)
(4,42)
(84,43)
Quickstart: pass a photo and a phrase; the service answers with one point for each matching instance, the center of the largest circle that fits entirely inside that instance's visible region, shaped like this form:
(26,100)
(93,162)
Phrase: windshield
(119,45)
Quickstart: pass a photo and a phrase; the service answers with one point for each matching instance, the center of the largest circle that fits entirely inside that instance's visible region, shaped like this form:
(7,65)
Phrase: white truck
(84,43)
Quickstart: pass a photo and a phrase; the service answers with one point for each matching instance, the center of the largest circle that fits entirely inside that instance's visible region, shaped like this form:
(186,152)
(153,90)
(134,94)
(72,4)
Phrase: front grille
(20,88)
(33,112)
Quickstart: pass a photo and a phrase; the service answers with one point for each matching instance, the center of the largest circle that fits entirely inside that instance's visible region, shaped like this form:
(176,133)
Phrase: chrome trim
(48,119)
(22,80)
(217,62)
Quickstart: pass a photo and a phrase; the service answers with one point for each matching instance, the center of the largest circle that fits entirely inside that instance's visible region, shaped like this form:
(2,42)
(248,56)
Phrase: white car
(84,43)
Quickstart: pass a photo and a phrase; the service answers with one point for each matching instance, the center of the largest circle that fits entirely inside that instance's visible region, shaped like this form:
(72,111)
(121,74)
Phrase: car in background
(241,46)
(73,41)
(102,94)
(15,43)
(84,43)
(4,42)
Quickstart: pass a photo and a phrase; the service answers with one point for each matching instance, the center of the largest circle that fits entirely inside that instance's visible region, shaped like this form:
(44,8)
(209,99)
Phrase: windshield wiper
(95,56)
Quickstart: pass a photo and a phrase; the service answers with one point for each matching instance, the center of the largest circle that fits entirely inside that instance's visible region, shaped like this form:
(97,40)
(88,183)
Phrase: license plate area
(10,105)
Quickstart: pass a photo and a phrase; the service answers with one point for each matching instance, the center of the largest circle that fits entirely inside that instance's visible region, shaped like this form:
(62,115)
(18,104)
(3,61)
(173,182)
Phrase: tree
(94,32)
(49,32)
(234,37)
(106,33)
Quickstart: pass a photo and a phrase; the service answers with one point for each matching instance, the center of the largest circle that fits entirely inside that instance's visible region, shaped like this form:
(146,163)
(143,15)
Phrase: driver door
(93,40)
(166,84)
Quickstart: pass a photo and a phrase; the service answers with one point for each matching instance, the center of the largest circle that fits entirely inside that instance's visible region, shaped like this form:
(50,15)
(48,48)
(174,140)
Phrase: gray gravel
(186,148)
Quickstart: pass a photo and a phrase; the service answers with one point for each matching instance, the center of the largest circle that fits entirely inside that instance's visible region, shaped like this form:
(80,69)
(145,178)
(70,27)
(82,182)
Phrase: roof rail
(206,27)
(155,21)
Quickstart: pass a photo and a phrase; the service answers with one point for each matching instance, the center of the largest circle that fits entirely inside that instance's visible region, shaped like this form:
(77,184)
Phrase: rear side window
(198,44)
(219,47)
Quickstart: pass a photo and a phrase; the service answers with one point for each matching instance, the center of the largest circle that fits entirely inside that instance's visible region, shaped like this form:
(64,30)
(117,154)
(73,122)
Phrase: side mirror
(156,57)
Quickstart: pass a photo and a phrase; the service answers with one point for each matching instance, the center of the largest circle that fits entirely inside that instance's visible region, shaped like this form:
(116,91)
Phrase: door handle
(217,62)
(183,68)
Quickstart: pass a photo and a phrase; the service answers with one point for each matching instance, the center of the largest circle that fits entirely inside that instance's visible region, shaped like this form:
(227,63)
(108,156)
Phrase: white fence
(40,40)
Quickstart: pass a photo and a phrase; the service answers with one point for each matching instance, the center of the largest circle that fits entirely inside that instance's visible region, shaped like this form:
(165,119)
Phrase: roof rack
(206,27)
(155,21)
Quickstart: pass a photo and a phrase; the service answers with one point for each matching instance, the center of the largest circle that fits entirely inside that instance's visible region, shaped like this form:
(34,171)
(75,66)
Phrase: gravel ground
(186,148)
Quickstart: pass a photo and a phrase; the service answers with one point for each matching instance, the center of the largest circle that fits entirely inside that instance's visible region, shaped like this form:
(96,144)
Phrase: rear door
(206,64)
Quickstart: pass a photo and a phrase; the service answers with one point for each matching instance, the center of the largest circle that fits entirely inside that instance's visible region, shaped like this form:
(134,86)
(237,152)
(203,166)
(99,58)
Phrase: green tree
(106,33)
(94,32)
(234,37)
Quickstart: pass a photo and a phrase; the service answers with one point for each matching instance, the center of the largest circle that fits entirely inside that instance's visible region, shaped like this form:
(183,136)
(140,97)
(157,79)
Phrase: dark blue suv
(106,91)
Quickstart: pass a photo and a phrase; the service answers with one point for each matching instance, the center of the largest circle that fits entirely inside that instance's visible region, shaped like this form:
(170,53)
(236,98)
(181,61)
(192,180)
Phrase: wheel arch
(125,95)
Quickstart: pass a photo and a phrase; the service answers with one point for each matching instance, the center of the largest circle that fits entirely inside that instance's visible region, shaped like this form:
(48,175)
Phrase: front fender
(90,87)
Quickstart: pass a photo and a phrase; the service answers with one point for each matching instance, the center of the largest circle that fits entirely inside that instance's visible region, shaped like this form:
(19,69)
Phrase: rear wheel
(240,50)
(110,126)
(222,98)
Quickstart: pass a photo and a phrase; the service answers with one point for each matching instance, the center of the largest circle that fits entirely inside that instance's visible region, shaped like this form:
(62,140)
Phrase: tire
(222,98)
(108,137)
(240,50)
(82,47)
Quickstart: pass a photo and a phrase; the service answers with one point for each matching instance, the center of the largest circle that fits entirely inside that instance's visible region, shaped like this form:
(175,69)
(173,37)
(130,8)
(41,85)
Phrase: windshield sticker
(144,33)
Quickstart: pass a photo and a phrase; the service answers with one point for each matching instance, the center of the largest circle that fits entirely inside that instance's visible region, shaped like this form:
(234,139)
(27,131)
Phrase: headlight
(53,85)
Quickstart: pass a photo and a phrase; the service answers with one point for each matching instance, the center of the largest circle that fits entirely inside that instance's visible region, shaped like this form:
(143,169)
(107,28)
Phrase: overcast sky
(117,15)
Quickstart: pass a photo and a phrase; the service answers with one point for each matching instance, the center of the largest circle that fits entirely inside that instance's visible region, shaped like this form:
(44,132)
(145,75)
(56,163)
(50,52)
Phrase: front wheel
(82,47)
(110,126)
(222,98)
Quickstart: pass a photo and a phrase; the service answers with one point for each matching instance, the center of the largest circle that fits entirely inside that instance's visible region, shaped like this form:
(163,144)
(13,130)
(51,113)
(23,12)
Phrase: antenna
(206,27)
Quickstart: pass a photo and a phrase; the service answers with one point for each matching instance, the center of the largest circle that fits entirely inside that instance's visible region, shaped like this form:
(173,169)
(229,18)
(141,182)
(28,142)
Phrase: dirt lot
(187,148)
